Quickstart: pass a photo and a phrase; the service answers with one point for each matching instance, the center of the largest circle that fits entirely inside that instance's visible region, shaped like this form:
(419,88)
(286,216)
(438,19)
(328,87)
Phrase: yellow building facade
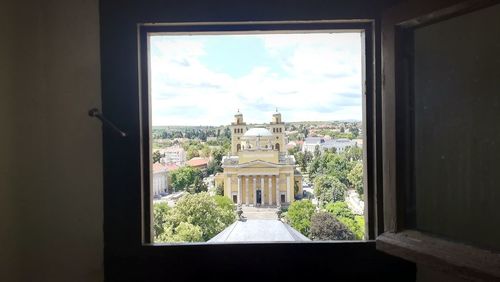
(259,171)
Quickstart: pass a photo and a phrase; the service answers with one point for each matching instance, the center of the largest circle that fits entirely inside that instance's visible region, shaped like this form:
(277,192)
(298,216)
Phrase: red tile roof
(158,167)
(197,162)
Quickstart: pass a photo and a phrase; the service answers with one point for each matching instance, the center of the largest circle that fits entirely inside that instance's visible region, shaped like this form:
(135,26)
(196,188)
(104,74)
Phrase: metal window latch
(95,113)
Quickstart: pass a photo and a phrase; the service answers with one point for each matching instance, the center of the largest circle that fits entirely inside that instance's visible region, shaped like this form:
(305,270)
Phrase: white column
(270,190)
(254,190)
(262,190)
(229,187)
(246,190)
(278,198)
(239,190)
(288,192)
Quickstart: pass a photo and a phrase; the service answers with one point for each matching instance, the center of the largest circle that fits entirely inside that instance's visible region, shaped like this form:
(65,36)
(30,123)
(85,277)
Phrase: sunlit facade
(259,171)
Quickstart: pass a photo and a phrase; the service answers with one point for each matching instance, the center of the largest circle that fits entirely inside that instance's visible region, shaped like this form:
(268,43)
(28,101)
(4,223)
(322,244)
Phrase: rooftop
(258,131)
(197,161)
(259,230)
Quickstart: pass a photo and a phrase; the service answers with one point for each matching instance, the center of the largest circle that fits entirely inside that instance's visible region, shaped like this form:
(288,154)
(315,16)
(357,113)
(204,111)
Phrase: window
(439,168)
(129,254)
(269,186)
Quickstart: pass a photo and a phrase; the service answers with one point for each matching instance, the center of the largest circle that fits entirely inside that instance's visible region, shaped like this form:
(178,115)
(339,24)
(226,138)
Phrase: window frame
(400,237)
(366,27)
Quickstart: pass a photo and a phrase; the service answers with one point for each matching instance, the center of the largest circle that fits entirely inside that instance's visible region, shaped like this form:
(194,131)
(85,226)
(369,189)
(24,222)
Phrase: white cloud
(321,81)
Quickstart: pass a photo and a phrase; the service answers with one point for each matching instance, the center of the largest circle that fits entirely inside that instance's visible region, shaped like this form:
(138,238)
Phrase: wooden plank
(452,257)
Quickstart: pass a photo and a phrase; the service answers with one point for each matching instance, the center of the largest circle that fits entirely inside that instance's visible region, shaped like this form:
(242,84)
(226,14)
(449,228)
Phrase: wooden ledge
(460,259)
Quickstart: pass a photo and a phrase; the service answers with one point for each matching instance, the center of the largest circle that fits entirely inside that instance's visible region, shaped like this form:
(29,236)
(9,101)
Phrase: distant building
(160,179)
(259,170)
(198,162)
(310,144)
(340,144)
(174,155)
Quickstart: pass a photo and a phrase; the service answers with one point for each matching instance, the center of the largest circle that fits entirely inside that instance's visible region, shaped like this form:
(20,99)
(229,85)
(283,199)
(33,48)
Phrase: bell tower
(277,128)
(238,128)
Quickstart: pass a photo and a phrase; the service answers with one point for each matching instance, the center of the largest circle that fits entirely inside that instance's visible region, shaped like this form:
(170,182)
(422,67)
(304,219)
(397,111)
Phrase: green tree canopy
(192,152)
(183,177)
(197,186)
(299,215)
(219,190)
(157,156)
(355,223)
(201,210)
(324,226)
(328,189)
(355,177)
(160,217)
(339,209)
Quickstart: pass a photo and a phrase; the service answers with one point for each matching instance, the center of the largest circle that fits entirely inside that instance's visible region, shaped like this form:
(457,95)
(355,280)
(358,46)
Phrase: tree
(355,223)
(183,177)
(299,215)
(184,232)
(201,210)
(295,188)
(197,186)
(192,153)
(205,151)
(160,217)
(324,226)
(328,188)
(339,209)
(355,177)
(219,190)
(354,153)
(337,165)
(157,156)
(317,151)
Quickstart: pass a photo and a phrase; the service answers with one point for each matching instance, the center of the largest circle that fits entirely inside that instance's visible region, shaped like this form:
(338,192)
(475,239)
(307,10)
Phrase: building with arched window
(259,171)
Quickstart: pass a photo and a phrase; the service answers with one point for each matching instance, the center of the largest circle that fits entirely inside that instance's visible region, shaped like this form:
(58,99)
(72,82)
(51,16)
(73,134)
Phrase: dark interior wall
(8,216)
(457,136)
(50,150)
(125,257)
(119,51)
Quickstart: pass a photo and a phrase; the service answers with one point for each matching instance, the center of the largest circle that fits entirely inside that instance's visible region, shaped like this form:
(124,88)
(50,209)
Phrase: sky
(206,79)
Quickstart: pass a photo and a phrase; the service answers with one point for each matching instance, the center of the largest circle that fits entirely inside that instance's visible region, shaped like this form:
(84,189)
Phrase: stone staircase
(260,213)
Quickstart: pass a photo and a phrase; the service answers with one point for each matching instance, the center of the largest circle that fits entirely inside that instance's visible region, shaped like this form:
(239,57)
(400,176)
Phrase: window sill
(448,256)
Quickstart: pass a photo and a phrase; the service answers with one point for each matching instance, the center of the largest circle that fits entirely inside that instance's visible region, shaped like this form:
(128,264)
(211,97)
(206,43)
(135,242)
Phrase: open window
(440,99)
(254,169)
(130,253)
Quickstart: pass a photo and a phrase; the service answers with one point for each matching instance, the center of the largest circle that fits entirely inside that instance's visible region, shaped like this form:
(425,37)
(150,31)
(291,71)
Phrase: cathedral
(259,171)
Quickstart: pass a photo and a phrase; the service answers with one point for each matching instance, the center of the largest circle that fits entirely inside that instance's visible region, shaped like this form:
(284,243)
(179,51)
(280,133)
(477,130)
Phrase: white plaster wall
(50,150)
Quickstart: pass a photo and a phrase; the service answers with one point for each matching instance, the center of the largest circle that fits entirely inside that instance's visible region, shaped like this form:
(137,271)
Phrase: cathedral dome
(258,131)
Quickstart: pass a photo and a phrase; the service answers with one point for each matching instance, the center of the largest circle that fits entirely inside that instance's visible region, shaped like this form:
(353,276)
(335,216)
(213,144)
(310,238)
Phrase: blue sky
(205,79)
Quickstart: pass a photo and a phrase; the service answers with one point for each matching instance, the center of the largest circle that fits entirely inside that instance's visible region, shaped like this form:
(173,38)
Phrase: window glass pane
(257,137)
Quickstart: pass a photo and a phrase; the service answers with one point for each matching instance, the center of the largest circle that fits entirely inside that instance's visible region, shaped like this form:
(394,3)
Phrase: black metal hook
(95,113)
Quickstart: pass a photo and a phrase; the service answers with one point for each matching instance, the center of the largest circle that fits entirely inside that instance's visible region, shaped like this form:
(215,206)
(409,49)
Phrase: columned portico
(265,171)
(278,198)
(270,190)
(246,191)
(288,192)
(262,190)
(239,190)
(255,191)
(229,191)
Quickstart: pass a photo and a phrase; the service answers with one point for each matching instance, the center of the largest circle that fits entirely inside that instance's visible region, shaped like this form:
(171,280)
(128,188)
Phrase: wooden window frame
(127,255)
(401,238)
(368,95)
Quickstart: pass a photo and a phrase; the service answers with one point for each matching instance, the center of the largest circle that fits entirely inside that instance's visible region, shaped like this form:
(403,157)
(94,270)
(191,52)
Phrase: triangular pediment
(258,164)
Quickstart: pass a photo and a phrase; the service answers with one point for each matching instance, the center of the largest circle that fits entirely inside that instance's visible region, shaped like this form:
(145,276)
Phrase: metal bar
(95,113)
